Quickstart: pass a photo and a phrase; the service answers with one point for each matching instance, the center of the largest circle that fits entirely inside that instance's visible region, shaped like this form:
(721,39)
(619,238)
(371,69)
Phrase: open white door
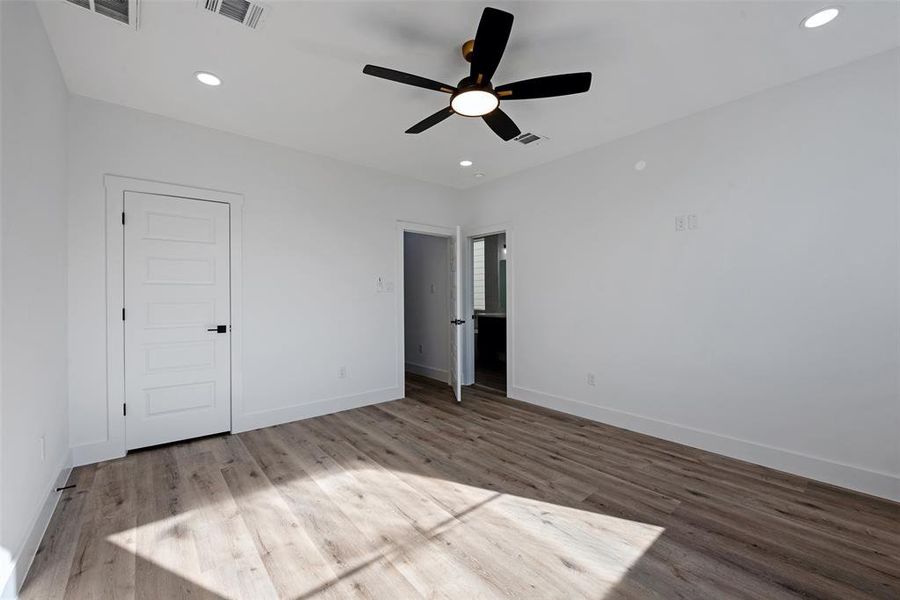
(456,324)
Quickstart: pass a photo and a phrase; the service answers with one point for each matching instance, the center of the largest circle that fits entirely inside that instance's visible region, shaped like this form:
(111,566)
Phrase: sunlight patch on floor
(434,532)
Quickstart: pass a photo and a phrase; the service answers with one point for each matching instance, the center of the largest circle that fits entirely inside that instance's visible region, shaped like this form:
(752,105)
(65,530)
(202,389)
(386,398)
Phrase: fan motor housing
(471,83)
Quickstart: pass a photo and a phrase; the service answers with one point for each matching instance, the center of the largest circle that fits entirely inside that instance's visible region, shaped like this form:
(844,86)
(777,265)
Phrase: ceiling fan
(475,95)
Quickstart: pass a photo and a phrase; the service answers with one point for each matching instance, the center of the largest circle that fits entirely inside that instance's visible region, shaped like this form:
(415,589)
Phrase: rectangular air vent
(528,138)
(114,9)
(249,14)
(123,11)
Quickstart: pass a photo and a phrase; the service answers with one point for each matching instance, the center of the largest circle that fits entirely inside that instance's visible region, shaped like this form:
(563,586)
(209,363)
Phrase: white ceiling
(297,81)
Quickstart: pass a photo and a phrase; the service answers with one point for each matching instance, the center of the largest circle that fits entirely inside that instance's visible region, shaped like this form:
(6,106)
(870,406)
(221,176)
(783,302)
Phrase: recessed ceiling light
(479,174)
(824,16)
(465,163)
(207,78)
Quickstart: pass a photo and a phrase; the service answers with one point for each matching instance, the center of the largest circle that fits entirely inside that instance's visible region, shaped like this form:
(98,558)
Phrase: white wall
(426,291)
(317,235)
(33,300)
(771,332)
(6,559)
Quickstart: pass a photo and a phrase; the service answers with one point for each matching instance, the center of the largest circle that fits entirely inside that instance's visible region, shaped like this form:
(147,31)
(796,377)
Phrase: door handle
(219,329)
(457,321)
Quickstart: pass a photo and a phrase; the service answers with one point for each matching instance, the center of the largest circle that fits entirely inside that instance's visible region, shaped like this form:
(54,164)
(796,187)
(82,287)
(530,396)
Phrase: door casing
(116,186)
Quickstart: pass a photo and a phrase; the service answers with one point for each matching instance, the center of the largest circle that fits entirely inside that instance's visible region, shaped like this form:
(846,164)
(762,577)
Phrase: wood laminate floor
(423,498)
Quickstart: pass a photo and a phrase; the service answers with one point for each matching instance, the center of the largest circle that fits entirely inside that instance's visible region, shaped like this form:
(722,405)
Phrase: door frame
(115,187)
(469,356)
(402,228)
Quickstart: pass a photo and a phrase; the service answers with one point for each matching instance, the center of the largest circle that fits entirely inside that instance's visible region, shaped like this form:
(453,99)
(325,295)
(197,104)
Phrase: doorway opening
(426,305)
(489,310)
(430,304)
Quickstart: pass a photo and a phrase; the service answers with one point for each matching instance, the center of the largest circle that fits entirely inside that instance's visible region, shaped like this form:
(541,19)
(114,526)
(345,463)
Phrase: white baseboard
(267,418)
(20,561)
(884,485)
(86,454)
(442,375)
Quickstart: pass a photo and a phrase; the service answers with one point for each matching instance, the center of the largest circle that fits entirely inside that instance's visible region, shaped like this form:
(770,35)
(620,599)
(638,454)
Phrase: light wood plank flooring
(422,498)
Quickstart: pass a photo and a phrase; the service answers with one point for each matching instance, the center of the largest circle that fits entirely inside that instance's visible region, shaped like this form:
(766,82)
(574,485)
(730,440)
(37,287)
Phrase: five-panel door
(177,319)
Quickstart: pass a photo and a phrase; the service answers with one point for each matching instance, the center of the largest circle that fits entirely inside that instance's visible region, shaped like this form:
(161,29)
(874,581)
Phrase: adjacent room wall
(426,292)
(494,302)
(770,332)
(317,235)
(33,386)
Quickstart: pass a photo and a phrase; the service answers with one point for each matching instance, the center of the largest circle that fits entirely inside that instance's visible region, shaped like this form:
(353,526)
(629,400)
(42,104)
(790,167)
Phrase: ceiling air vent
(247,13)
(123,11)
(529,138)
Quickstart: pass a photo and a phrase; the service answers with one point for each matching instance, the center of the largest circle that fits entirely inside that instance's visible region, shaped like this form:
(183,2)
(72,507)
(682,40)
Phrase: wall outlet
(420,348)
(692,222)
(591,379)
(680,223)
(432,288)
(342,373)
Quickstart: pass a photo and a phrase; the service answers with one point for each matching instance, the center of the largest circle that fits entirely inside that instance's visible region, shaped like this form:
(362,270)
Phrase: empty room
(449,299)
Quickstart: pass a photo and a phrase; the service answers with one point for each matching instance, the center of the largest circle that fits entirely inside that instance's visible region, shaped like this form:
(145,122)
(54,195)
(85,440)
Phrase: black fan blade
(545,87)
(490,42)
(502,125)
(401,77)
(430,121)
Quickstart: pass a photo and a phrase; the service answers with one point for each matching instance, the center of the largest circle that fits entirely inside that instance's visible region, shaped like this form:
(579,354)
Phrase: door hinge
(123,218)
(124,410)
(123,313)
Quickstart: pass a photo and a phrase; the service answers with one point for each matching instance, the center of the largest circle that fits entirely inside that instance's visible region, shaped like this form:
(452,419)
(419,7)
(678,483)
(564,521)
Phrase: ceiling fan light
(474,103)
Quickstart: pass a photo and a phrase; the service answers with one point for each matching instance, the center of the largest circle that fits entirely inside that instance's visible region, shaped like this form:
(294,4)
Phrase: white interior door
(456,324)
(177,300)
